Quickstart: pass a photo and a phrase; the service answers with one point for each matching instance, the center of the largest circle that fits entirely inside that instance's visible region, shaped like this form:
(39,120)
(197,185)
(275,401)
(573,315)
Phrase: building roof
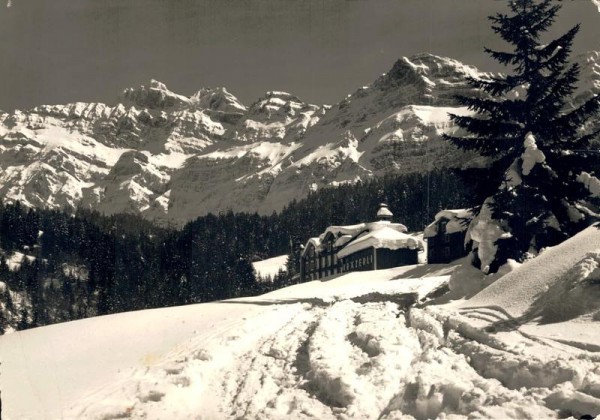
(352,230)
(458,221)
(342,240)
(381,236)
(314,241)
(353,238)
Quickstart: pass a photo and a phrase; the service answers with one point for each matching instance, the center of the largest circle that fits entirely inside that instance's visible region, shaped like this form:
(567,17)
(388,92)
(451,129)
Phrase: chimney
(384,214)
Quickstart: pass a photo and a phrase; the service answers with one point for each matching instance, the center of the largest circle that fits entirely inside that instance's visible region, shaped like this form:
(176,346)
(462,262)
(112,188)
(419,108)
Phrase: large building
(364,246)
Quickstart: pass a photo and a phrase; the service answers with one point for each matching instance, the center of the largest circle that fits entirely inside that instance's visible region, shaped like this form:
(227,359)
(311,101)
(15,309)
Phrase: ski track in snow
(345,359)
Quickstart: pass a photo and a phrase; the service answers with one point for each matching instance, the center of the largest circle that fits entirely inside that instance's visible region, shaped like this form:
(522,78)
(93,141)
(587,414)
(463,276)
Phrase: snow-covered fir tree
(527,123)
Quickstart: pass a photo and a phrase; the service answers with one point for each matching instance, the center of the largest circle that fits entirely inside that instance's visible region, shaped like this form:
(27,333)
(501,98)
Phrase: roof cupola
(384,214)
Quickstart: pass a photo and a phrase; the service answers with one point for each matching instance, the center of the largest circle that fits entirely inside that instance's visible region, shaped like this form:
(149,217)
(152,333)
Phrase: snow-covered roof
(342,240)
(381,236)
(384,211)
(314,241)
(457,221)
(345,234)
(345,230)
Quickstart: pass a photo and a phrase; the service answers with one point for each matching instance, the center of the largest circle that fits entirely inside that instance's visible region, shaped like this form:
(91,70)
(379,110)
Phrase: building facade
(362,247)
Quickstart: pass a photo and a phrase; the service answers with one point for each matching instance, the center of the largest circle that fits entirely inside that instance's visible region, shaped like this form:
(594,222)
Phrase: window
(446,238)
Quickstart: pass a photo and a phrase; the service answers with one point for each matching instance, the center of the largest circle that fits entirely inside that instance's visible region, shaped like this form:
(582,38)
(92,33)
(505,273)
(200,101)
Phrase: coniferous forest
(59,267)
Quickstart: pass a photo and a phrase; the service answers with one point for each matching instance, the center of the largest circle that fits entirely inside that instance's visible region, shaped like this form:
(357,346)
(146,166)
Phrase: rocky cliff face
(171,158)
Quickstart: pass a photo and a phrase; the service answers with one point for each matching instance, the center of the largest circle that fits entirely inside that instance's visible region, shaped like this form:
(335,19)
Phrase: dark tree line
(86,264)
(413,198)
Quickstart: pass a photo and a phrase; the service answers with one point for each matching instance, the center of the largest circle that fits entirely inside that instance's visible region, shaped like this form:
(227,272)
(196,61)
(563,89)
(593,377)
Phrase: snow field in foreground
(348,347)
(348,360)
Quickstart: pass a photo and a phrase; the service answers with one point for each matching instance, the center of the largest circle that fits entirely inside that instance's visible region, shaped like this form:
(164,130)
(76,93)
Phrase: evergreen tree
(23,322)
(3,323)
(292,264)
(540,205)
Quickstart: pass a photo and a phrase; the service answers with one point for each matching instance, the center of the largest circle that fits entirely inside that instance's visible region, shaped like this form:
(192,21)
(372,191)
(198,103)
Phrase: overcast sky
(58,51)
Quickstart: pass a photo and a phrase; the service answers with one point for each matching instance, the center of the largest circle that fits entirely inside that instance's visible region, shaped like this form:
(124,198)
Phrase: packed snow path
(344,359)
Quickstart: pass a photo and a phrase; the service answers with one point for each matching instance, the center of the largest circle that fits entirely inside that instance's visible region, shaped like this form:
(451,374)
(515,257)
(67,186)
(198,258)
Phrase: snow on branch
(485,232)
(591,183)
(532,155)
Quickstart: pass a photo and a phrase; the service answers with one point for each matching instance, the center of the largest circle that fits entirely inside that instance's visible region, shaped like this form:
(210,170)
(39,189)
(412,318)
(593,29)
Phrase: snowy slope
(47,370)
(344,348)
(270,267)
(517,292)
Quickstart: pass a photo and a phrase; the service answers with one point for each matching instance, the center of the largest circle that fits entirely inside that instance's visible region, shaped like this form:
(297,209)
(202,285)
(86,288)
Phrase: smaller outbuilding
(446,236)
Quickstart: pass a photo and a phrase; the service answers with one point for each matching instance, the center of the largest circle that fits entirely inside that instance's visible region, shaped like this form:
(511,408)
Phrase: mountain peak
(218,99)
(427,79)
(155,96)
(156,84)
(589,76)
(277,103)
(431,66)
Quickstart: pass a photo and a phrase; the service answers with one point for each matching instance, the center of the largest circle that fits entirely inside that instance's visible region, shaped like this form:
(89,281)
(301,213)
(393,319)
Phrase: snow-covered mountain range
(171,158)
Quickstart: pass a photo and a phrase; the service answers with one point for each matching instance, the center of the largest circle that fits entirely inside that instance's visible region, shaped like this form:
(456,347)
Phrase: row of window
(329,266)
(321,262)
(329,246)
(316,274)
